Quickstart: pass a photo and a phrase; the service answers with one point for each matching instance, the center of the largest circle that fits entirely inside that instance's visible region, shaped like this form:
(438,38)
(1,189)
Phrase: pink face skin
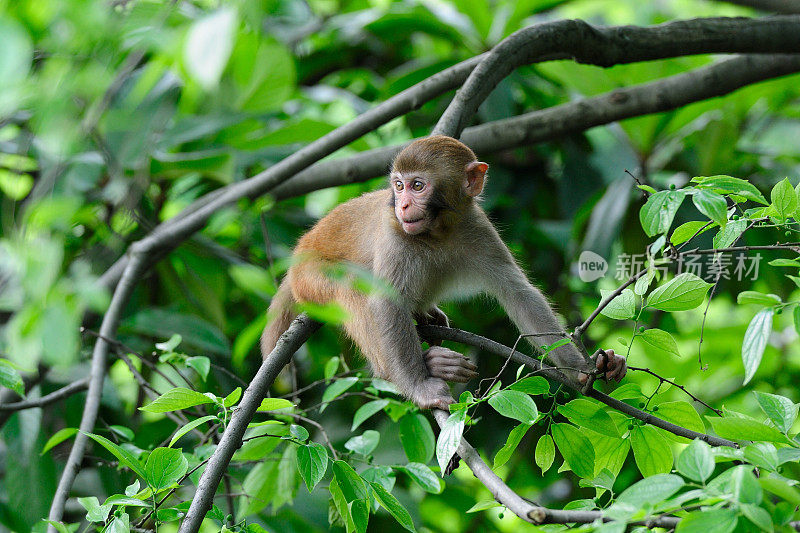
(411,195)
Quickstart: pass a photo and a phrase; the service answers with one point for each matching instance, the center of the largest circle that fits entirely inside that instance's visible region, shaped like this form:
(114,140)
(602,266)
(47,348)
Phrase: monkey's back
(348,232)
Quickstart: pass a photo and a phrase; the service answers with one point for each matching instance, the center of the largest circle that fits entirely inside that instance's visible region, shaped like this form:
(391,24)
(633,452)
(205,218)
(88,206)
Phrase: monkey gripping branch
(602,46)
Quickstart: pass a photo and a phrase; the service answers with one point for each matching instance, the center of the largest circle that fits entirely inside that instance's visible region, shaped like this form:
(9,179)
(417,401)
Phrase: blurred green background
(115,115)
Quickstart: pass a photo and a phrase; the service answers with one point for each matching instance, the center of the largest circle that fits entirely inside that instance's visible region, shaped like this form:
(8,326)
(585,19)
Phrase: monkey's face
(412,194)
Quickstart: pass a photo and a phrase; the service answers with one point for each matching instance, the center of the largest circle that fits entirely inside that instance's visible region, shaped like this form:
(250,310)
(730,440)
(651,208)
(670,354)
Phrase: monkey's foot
(433,393)
(448,365)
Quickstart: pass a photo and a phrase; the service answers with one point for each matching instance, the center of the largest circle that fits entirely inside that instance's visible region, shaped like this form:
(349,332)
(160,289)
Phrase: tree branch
(63,392)
(488,345)
(231,440)
(607,46)
(666,94)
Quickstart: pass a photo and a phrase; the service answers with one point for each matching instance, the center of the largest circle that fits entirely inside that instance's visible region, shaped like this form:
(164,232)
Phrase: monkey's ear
(476,175)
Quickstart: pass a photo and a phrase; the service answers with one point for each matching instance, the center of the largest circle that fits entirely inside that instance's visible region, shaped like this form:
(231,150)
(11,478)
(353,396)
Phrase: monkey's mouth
(413,226)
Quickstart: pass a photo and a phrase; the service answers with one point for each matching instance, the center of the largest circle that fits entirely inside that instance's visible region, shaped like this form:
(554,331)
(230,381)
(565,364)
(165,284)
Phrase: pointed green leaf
(312,462)
(576,449)
(755,342)
(176,399)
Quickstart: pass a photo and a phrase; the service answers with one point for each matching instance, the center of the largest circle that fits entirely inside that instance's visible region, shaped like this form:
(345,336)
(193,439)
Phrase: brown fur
(457,252)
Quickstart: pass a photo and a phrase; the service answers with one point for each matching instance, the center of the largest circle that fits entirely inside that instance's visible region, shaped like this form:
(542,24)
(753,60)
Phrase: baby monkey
(427,237)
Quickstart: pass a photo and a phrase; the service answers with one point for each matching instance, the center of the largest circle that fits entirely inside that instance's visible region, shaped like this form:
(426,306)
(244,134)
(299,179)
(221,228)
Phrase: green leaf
(708,521)
(329,313)
(424,477)
(682,414)
(763,455)
(759,298)
(312,462)
(545,452)
(576,449)
(792,263)
(686,231)
(60,436)
(164,467)
(15,185)
(10,378)
(450,438)
(232,398)
(273,404)
(171,344)
(588,414)
(359,512)
(201,365)
(416,436)
(364,443)
(745,485)
(730,185)
(712,205)
(367,410)
(755,342)
(728,235)
(353,487)
(651,450)
(331,367)
(183,430)
(622,307)
(643,283)
(781,410)
(796,319)
(516,405)
(651,490)
(125,457)
(176,399)
(684,291)
(381,474)
(336,389)
(758,516)
(395,508)
(535,385)
(208,46)
(514,437)
(483,505)
(298,432)
(657,213)
(745,429)
(94,511)
(696,461)
(784,199)
(660,340)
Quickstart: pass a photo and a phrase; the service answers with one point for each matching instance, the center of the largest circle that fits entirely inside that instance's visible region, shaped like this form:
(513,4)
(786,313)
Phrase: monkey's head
(433,180)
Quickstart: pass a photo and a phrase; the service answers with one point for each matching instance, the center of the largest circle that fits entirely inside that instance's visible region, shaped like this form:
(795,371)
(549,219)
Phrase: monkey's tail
(279,317)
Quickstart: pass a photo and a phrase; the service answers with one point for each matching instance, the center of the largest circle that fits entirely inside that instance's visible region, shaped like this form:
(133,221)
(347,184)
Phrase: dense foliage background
(116,115)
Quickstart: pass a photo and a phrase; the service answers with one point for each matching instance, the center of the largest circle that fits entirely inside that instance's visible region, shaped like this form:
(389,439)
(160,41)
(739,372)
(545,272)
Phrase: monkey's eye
(417,186)
(398,185)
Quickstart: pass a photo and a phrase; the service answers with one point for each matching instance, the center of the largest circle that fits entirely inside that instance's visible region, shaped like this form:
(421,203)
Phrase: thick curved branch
(607,46)
(63,392)
(174,231)
(523,508)
(788,7)
(666,94)
(488,345)
(231,440)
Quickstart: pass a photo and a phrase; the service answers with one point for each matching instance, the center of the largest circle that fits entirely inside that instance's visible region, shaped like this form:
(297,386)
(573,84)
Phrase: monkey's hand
(448,365)
(432,317)
(433,393)
(609,366)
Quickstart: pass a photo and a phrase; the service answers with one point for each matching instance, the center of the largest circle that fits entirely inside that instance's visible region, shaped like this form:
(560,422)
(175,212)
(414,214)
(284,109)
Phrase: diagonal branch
(465,337)
(558,39)
(607,46)
(665,94)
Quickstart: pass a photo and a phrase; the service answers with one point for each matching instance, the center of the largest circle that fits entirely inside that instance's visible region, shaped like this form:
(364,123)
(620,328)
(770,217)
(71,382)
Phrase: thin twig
(63,392)
(681,387)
